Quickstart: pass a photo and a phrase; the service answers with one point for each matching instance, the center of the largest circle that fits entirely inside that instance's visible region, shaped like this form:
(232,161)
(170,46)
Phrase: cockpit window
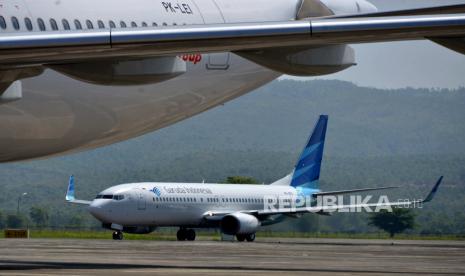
(104,196)
(118,197)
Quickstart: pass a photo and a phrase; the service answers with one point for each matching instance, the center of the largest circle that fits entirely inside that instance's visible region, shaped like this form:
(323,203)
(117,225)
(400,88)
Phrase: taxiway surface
(263,257)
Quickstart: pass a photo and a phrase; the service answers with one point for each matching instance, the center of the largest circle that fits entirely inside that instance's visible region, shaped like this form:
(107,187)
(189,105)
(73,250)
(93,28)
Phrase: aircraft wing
(70,194)
(332,208)
(351,191)
(39,48)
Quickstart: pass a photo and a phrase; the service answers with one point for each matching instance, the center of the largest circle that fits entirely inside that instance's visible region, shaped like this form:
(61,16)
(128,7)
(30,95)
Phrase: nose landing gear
(185,234)
(117,235)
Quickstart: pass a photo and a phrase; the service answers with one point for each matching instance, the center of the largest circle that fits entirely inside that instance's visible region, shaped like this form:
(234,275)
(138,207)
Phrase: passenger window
(53,24)
(2,22)
(28,23)
(164,24)
(154,24)
(100,24)
(89,24)
(65,24)
(112,24)
(41,24)
(122,24)
(15,22)
(77,24)
(133,24)
(144,24)
(174,24)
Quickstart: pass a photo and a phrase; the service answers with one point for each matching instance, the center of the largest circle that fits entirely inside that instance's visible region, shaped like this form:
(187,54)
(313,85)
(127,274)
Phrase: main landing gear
(185,234)
(118,235)
(245,237)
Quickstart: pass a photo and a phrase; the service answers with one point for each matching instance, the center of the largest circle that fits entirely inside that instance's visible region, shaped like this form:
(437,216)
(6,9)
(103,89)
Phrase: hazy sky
(401,64)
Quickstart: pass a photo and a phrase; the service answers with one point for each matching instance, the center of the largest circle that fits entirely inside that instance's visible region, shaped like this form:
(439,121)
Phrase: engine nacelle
(125,72)
(304,62)
(239,223)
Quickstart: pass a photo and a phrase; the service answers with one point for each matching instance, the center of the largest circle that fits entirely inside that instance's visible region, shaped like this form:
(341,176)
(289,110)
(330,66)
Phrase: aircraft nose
(97,210)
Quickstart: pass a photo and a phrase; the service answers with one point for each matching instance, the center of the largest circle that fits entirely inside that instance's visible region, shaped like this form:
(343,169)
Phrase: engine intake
(239,223)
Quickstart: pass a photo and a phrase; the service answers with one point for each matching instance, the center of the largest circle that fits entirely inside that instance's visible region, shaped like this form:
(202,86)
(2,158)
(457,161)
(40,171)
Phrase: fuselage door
(141,203)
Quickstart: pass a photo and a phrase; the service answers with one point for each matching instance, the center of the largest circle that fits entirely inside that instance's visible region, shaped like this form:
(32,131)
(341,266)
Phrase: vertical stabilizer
(70,191)
(307,170)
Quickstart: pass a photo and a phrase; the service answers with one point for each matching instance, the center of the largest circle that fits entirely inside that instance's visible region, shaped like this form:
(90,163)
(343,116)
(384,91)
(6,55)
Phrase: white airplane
(236,209)
(71,71)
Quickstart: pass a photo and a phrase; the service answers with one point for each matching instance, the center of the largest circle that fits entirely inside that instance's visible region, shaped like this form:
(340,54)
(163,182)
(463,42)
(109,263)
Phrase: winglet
(70,191)
(433,191)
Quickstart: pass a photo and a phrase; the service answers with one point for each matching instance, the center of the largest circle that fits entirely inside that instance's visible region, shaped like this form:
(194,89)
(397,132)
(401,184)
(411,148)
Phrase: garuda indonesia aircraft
(71,71)
(236,209)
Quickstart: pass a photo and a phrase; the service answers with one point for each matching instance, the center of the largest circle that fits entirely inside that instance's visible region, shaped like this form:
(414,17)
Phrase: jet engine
(304,62)
(239,223)
(124,72)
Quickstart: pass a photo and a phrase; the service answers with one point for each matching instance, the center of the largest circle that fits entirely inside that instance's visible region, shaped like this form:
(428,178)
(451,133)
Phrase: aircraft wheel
(250,237)
(117,235)
(181,235)
(240,238)
(190,235)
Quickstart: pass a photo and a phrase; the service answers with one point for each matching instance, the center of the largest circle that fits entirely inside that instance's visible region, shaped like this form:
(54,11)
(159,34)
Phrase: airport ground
(266,256)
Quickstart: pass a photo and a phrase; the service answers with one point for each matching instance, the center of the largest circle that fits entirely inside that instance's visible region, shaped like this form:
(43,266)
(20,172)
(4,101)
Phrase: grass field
(210,235)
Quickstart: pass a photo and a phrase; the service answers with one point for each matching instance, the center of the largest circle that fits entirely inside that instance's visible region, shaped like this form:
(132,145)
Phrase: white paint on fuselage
(179,204)
(149,11)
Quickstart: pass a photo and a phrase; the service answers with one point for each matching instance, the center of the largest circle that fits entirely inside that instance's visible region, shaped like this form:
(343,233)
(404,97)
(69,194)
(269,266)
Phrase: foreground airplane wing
(72,46)
(213,216)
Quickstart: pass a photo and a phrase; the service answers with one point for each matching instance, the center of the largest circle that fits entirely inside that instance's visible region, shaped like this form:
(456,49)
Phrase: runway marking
(33,274)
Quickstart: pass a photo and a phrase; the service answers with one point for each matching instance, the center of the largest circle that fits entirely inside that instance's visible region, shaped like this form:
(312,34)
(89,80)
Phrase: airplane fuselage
(175,204)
